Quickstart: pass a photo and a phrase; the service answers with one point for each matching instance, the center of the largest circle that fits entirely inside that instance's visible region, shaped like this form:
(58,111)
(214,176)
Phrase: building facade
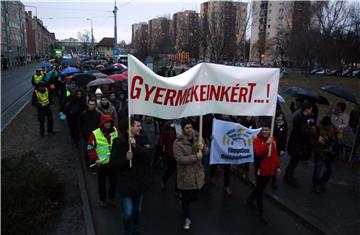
(185,32)
(13,32)
(159,36)
(140,38)
(104,47)
(40,40)
(271,24)
(223,28)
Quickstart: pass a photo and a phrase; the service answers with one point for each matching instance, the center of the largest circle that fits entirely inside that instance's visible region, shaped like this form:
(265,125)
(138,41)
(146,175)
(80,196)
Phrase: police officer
(41,100)
(37,78)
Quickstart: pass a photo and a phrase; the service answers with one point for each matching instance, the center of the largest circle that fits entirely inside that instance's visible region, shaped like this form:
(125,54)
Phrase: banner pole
(353,146)
(130,162)
(271,134)
(200,128)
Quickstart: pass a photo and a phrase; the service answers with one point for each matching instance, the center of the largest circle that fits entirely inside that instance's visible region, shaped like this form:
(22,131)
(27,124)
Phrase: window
(268,26)
(269,11)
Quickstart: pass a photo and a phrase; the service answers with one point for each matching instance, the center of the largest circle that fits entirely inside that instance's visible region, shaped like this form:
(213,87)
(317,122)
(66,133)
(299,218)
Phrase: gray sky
(69,17)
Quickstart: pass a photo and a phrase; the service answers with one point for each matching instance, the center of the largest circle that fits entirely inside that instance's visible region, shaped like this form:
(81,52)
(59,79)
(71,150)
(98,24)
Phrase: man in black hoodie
(88,122)
(131,179)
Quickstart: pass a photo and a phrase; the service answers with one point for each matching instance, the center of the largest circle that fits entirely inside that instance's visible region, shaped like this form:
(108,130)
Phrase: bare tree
(85,39)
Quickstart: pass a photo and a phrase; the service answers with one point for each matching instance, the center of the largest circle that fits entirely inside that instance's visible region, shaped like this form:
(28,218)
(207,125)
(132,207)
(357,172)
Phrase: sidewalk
(336,211)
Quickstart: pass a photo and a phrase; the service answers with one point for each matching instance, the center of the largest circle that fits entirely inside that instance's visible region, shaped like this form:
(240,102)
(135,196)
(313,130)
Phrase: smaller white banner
(232,143)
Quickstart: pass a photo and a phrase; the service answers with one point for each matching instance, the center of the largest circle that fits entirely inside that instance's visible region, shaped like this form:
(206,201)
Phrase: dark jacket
(280,134)
(131,181)
(88,122)
(302,136)
(167,138)
(75,106)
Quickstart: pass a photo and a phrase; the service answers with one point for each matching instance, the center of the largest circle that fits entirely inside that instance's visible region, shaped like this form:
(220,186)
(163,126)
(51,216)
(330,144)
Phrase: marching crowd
(122,151)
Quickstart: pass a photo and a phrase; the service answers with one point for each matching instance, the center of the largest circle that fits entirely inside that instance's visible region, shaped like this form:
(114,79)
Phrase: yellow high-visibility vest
(43,98)
(37,78)
(103,147)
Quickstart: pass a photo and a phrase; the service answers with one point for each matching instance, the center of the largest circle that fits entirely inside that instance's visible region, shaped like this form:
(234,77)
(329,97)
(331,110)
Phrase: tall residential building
(139,37)
(40,40)
(185,33)
(13,32)
(159,35)
(222,26)
(271,24)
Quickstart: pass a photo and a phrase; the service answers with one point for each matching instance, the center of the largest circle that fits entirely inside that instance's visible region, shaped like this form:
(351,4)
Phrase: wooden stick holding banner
(271,134)
(353,146)
(200,128)
(130,150)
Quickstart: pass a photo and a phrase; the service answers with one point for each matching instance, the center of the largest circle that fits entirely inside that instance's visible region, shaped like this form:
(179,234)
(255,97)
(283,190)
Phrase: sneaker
(187,224)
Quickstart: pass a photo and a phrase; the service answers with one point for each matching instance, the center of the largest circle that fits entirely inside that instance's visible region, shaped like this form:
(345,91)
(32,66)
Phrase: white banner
(232,143)
(205,88)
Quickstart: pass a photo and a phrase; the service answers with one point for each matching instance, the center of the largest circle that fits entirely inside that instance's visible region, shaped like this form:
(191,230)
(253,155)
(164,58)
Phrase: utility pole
(115,25)
(92,38)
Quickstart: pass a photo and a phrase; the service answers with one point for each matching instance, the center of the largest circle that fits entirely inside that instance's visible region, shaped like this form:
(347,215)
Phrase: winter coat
(75,106)
(265,165)
(109,110)
(329,150)
(88,122)
(91,149)
(167,139)
(302,137)
(131,181)
(190,170)
(280,134)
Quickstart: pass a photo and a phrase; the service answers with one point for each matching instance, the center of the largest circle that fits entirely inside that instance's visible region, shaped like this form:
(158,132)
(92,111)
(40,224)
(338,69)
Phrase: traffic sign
(116,51)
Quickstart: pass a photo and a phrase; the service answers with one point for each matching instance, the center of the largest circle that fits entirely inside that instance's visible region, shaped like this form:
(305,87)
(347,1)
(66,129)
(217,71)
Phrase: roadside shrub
(32,195)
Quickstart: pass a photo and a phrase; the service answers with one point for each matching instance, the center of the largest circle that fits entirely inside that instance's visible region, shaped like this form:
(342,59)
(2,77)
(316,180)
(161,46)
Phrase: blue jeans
(320,177)
(131,207)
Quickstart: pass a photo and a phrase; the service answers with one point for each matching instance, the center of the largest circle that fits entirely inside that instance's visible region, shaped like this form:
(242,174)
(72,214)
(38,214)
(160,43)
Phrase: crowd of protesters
(123,151)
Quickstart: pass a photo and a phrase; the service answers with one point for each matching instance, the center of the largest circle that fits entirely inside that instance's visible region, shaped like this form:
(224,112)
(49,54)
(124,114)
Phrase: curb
(303,219)
(88,215)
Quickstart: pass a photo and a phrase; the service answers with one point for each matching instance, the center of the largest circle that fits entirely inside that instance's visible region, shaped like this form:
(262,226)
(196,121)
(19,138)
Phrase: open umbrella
(111,70)
(119,77)
(305,94)
(280,99)
(70,70)
(82,79)
(45,65)
(340,92)
(119,65)
(100,75)
(102,81)
(69,62)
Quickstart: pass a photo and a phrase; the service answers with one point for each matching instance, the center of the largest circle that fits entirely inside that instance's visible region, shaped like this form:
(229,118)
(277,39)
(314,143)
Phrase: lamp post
(92,37)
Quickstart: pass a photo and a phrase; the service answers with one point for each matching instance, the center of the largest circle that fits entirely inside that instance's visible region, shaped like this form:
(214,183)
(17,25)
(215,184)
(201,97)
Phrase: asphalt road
(214,214)
(16,91)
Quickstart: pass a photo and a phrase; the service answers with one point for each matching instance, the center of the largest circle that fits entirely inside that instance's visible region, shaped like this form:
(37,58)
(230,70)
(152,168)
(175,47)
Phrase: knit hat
(98,91)
(185,122)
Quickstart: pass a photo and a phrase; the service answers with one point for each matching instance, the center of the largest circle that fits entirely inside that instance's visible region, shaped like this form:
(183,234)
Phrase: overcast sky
(69,17)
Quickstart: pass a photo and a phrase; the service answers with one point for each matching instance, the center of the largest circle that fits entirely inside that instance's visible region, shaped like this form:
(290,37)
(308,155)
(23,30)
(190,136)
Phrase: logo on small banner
(232,143)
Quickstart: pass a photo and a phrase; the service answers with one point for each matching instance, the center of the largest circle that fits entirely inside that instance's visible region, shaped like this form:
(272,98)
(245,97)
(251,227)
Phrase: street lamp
(92,36)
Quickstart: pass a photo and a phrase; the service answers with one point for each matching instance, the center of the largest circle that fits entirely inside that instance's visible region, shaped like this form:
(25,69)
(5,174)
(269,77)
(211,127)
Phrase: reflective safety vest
(102,145)
(42,98)
(37,78)
(68,93)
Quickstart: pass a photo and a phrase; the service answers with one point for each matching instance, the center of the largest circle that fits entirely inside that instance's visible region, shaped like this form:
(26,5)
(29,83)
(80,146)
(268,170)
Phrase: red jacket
(167,138)
(91,149)
(266,165)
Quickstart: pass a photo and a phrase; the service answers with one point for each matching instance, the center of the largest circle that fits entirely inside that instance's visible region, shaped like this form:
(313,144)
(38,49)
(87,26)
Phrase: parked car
(321,72)
(315,70)
(356,73)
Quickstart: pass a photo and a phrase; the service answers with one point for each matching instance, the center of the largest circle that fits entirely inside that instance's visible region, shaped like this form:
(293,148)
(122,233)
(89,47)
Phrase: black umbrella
(340,92)
(82,79)
(305,94)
